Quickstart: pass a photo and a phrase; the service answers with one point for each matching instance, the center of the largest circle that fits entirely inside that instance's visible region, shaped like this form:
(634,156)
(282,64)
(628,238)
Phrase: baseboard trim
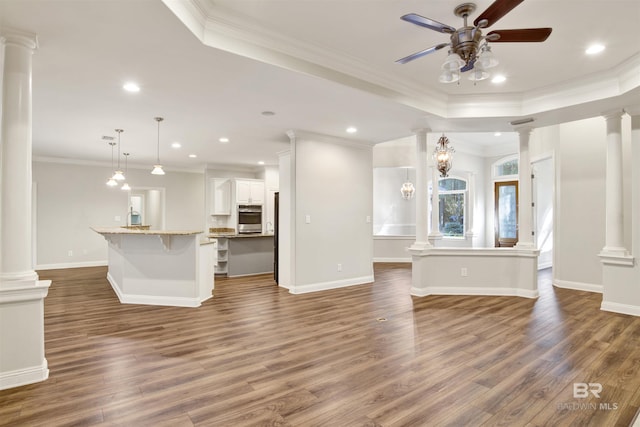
(544,265)
(72,265)
(152,299)
(383,259)
(616,307)
(324,286)
(462,290)
(25,376)
(577,286)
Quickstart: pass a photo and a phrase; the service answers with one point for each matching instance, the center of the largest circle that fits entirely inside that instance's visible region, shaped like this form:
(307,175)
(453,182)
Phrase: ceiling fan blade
(421,53)
(497,10)
(521,35)
(428,23)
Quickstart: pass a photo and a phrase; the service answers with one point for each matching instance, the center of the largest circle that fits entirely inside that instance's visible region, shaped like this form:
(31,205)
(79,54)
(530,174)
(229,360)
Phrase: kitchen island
(244,254)
(159,267)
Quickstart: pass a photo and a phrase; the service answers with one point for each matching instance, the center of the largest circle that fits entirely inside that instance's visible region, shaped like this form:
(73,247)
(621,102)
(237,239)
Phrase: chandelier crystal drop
(157,168)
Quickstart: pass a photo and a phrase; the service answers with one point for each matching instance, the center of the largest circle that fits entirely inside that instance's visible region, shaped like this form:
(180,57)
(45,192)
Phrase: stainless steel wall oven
(249,219)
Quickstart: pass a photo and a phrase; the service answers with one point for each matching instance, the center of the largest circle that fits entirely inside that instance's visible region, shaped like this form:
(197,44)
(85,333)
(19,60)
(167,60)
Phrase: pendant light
(443,154)
(407,188)
(112,182)
(125,186)
(119,175)
(157,168)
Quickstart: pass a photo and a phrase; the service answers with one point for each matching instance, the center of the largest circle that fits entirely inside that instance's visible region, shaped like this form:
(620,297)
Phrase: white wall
(334,190)
(580,209)
(71,198)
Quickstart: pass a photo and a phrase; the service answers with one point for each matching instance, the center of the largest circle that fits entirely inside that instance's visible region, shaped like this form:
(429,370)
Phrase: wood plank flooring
(368,355)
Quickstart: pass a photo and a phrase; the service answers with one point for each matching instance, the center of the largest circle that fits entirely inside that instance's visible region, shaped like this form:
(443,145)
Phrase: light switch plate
(307,219)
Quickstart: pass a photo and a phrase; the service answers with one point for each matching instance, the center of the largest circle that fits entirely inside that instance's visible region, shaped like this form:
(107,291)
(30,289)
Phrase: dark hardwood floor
(368,355)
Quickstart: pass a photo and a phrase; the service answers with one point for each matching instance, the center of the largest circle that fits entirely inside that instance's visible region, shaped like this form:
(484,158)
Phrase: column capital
(292,135)
(525,129)
(19,37)
(421,131)
(633,110)
(615,114)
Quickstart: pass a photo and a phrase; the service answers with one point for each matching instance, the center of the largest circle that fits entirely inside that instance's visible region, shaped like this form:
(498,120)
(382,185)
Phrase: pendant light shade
(157,168)
(118,174)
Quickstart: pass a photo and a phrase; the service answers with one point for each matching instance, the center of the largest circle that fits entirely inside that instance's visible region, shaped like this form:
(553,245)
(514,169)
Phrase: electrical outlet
(464,272)
(307,219)
(368,220)
(116,218)
(339,267)
(70,253)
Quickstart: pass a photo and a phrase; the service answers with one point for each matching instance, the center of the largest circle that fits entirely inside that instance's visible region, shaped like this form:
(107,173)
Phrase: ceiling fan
(466,45)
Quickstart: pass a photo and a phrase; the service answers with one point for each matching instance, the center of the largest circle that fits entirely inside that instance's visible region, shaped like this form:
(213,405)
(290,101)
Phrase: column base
(420,246)
(525,245)
(22,278)
(22,333)
(616,256)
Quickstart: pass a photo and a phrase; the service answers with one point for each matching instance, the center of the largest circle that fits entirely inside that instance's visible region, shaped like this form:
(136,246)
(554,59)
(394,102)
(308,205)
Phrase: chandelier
(443,154)
(407,190)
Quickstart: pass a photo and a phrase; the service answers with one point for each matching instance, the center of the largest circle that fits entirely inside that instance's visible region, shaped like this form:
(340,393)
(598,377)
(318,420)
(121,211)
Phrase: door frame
(497,241)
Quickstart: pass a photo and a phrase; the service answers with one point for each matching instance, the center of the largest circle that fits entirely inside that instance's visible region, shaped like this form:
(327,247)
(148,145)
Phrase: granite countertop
(238,236)
(123,230)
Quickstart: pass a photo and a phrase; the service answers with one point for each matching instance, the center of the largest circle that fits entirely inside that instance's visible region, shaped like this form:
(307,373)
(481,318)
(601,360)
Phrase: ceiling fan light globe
(478,74)
(449,76)
(487,59)
(453,62)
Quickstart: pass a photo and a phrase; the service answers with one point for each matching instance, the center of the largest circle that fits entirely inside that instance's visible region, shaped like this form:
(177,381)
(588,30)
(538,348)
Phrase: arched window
(453,196)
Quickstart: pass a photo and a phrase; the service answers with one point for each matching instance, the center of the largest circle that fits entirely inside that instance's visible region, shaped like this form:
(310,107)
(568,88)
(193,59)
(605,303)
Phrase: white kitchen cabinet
(249,191)
(220,196)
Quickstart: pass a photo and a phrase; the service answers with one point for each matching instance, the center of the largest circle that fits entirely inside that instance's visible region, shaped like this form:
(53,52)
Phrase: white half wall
(332,212)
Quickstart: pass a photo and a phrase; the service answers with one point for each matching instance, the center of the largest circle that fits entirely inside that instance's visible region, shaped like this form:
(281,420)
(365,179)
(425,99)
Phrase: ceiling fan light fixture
(486,59)
(449,76)
(478,73)
(453,62)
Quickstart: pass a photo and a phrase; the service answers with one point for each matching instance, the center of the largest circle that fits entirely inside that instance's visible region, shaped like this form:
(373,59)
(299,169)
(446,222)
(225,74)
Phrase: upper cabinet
(249,191)
(220,189)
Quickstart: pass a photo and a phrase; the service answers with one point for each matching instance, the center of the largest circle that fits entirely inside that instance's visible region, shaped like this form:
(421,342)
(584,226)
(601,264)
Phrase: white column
(422,241)
(470,204)
(435,233)
(634,112)
(15,170)
(22,295)
(614,237)
(525,210)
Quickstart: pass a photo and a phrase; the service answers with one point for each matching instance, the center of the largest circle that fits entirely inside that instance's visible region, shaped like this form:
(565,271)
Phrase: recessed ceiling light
(261,162)
(224,140)
(352,129)
(193,156)
(131,87)
(497,134)
(268,113)
(498,79)
(176,145)
(594,48)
